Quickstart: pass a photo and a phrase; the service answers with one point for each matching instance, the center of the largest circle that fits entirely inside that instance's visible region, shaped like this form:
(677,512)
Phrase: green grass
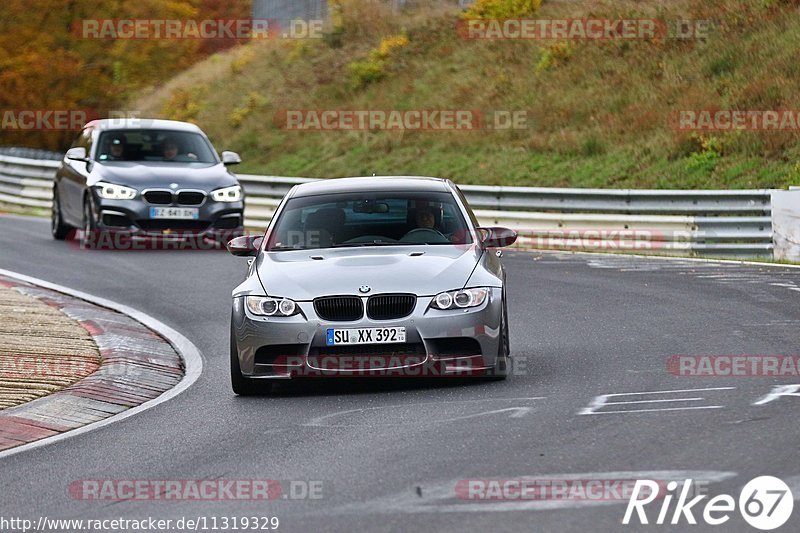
(597,118)
(14,209)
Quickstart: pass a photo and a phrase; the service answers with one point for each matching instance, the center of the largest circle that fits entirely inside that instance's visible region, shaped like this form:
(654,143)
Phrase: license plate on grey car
(179,213)
(365,336)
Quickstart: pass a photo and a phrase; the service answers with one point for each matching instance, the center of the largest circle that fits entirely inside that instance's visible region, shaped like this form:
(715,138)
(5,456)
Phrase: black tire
(502,365)
(88,240)
(241,385)
(92,237)
(58,229)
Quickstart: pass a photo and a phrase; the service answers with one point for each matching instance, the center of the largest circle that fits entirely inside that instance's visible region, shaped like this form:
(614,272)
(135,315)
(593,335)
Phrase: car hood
(296,275)
(142,175)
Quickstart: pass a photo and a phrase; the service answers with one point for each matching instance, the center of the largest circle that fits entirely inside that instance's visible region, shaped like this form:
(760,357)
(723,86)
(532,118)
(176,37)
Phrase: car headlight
(227,194)
(460,299)
(109,191)
(266,306)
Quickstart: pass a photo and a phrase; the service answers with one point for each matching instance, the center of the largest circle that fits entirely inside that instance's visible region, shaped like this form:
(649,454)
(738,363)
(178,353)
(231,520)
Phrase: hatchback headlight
(460,299)
(266,306)
(109,191)
(227,194)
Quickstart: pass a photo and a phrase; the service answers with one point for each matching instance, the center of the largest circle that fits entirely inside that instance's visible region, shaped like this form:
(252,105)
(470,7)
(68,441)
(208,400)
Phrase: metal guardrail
(31,153)
(720,223)
(27,182)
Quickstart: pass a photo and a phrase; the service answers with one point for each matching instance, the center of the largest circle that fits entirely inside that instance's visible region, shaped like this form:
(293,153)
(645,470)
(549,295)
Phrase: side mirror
(245,246)
(230,158)
(497,237)
(77,154)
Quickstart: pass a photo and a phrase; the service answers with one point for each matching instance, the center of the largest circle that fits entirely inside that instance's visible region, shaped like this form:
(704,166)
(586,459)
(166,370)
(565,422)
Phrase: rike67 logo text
(765,503)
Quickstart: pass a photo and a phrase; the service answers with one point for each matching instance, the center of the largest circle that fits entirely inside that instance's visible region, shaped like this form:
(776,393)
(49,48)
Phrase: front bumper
(216,220)
(438,343)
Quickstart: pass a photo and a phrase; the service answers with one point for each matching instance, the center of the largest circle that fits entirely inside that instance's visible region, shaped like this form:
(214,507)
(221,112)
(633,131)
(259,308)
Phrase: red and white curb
(143,363)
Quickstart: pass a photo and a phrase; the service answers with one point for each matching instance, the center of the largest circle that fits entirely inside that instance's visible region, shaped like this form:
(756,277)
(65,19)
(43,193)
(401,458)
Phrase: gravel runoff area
(42,350)
(66,363)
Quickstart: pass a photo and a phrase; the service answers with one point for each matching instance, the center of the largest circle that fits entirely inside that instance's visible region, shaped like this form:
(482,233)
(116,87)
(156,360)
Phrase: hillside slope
(598,111)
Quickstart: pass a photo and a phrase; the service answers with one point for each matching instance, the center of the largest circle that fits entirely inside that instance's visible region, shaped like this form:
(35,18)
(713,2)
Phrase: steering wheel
(421,231)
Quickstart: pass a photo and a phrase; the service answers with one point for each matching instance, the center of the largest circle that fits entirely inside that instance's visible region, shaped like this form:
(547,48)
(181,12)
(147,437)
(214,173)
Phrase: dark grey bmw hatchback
(147,178)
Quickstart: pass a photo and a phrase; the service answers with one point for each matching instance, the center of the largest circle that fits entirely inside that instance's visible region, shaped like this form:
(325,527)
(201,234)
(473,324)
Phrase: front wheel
(503,362)
(88,239)
(58,229)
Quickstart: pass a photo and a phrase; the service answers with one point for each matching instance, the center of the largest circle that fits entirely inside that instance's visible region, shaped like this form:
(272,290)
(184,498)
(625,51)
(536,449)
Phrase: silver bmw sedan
(388,276)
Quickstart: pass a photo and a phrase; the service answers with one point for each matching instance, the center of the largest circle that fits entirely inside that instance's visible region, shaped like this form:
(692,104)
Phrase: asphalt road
(390,454)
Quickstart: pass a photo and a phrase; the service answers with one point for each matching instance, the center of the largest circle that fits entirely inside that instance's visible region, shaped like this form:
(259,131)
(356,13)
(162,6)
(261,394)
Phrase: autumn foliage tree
(47,63)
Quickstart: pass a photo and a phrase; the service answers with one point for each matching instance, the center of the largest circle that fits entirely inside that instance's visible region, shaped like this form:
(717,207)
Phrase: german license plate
(175,213)
(337,337)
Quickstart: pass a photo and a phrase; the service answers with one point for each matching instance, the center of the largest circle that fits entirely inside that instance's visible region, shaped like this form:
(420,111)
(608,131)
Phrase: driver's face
(425,219)
(116,150)
(170,151)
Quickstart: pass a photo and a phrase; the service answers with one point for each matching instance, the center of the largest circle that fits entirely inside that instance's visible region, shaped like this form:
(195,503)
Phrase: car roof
(109,124)
(372,183)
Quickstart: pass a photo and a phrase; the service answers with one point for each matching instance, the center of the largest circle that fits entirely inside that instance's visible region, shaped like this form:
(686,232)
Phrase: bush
(362,73)
(373,68)
(554,55)
(184,104)
(253,102)
(502,9)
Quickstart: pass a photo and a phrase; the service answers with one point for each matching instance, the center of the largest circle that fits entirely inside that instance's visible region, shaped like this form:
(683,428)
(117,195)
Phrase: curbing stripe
(98,394)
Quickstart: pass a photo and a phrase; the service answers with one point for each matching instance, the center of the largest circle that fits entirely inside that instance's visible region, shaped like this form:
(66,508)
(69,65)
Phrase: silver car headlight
(266,306)
(227,194)
(109,191)
(460,299)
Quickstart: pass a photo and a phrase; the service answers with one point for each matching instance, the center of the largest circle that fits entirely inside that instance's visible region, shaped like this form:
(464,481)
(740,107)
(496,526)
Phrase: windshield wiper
(367,243)
(284,248)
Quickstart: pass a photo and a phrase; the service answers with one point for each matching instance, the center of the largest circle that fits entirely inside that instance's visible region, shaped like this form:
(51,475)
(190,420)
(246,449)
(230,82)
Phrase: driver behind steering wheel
(425,219)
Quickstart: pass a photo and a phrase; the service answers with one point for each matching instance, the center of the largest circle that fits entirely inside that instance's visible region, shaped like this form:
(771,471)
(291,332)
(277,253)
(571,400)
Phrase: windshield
(369,219)
(154,145)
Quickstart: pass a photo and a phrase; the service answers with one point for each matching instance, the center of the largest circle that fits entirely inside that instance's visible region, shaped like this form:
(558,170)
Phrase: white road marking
(660,401)
(778,391)
(598,402)
(517,412)
(654,410)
